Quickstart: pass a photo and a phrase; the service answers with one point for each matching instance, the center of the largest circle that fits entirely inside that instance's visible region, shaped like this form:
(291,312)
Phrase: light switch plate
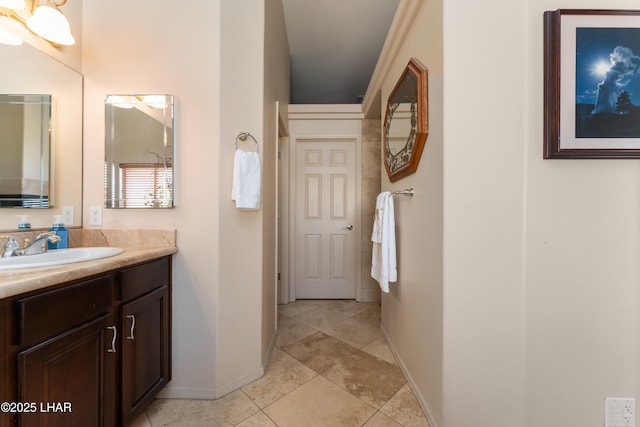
(67,215)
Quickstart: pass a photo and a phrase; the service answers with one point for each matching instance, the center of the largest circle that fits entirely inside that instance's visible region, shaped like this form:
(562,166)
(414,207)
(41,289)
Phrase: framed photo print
(591,84)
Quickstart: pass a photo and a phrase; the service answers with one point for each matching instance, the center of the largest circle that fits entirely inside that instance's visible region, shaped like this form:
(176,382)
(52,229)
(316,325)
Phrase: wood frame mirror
(406,122)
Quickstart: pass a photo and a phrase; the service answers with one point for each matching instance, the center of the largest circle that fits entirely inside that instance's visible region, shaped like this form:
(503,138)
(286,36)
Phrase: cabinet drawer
(143,278)
(50,313)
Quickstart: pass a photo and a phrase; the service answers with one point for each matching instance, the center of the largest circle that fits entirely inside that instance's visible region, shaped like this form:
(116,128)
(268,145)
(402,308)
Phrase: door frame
(292,258)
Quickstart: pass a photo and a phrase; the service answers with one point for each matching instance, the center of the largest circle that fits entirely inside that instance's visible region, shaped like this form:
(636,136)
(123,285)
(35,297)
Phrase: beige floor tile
(319,351)
(291,330)
(319,403)
(371,379)
(371,316)
(353,384)
(321,318)
(284,374)
(226,411)
(348,308)
(381,420)
(380,349)
(318,303)
(354,332)
(258,420)
(294,308)
(404,408)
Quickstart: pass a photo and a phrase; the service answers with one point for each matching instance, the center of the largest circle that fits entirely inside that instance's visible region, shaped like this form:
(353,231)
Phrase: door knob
(348,227)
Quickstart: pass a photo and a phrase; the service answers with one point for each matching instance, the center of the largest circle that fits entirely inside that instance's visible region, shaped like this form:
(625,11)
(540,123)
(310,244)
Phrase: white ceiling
(334,47)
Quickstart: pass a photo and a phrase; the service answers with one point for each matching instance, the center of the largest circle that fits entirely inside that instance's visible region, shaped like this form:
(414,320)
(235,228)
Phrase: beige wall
(215,73)
(276,85)
(523,310)
(412,310)
(581,257)
(485,133)
(123,53)
(370,187)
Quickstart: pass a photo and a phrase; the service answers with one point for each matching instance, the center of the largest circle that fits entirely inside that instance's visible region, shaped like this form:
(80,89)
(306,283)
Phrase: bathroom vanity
(86,344)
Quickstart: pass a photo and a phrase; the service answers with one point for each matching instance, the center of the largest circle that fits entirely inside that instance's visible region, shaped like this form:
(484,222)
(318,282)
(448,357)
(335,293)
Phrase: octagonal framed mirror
(406,122)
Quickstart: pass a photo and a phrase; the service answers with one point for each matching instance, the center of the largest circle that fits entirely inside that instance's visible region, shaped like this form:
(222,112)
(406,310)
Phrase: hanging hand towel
(383,236)
(245,188)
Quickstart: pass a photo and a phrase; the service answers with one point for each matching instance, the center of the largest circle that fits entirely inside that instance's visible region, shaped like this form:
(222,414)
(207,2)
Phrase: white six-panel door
(325,208)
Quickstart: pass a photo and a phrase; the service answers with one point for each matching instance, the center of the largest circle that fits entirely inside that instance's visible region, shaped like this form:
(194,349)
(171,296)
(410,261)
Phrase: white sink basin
(57,257)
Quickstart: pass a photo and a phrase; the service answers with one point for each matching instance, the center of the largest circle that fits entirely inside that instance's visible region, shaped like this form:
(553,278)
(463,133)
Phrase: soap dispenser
(61,231)
(23,222)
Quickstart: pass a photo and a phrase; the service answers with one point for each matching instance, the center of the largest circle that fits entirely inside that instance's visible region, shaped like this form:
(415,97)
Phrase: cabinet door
(146,341)
(71,377)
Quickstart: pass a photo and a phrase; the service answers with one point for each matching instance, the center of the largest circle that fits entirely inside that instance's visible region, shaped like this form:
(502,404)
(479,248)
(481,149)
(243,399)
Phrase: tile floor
(331,367)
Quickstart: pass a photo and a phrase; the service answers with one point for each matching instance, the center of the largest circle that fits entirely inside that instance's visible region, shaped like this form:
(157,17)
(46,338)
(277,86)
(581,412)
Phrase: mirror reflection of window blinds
(146,185)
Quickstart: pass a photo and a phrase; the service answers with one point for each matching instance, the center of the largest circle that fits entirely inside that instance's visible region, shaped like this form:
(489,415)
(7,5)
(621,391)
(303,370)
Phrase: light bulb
(13,4)
(155,101)
(49,23)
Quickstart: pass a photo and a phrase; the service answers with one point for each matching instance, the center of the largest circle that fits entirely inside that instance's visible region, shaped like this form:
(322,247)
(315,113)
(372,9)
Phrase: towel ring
(242,136)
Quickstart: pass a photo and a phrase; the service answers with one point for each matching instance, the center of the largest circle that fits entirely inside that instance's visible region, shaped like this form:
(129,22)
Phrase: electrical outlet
(67,215)
(95,215)
(619,412)
(628,410)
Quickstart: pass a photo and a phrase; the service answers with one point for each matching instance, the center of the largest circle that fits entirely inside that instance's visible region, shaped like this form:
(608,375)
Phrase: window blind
(146,185)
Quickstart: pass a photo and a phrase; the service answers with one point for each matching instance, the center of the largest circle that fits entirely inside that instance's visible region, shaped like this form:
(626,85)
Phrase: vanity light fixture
(45,20)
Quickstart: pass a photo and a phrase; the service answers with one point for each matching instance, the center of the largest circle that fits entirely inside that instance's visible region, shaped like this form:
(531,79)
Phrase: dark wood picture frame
(576,129)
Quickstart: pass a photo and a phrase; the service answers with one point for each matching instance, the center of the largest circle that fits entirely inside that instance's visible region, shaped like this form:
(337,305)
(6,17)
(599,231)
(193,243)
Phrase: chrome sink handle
(10,246)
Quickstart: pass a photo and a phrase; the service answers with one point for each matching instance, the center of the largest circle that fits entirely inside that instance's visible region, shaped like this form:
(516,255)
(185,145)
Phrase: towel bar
(405,192)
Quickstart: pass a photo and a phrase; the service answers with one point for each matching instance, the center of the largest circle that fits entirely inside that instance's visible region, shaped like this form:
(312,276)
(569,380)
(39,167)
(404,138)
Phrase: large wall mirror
(139,150)
(40,139)
(25,144)
(406,122)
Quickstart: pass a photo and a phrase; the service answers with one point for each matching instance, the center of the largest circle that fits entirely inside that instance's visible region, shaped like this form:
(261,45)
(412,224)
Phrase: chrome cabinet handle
(133,326)
(113,340)
(348,227)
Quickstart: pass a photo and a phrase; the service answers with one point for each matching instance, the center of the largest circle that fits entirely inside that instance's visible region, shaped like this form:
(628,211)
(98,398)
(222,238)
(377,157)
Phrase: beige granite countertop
(138,245)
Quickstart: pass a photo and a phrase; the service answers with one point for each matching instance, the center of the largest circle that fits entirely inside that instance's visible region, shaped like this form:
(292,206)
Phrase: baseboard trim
(187,393)
(421,400)
(217,392)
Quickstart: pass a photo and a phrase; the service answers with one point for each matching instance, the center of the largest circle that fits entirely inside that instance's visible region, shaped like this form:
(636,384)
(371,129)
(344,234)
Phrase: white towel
(383,236)
(245,188)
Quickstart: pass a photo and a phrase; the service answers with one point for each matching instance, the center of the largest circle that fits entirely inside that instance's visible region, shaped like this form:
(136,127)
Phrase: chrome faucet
(38,246)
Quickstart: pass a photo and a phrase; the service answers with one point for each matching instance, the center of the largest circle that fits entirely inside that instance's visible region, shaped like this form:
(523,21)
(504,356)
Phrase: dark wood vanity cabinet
(145,317)
(93,352)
